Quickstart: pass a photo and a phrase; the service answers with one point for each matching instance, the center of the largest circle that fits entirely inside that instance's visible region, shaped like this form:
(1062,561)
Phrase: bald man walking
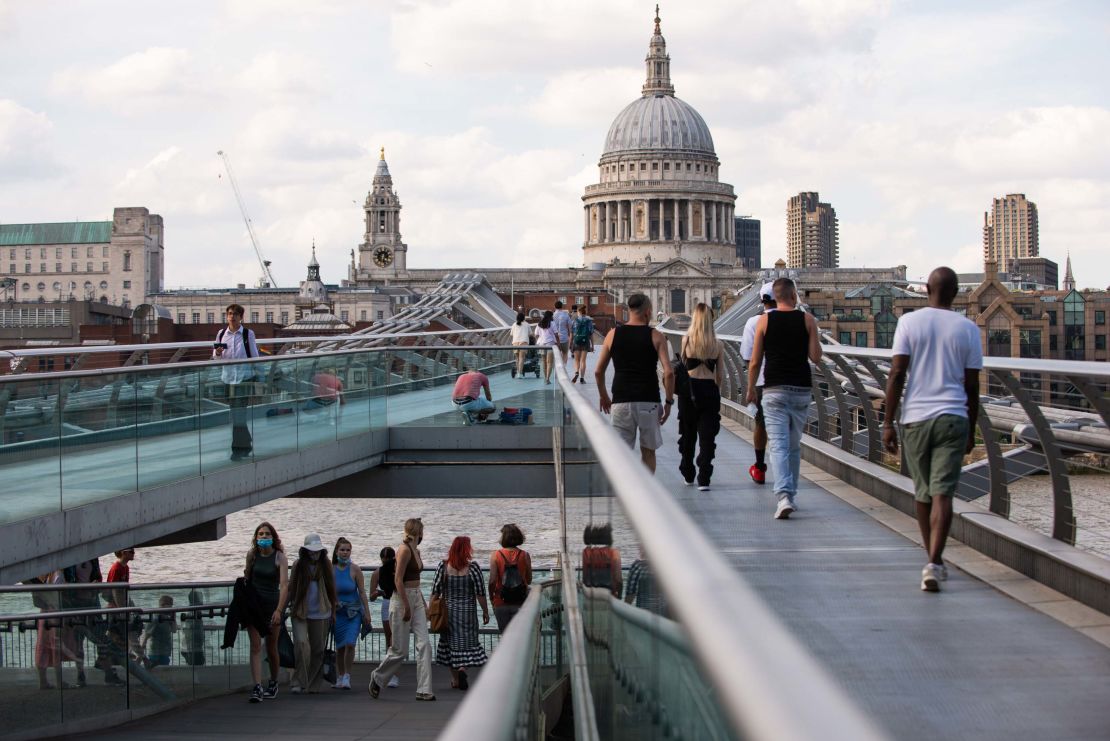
(942,353)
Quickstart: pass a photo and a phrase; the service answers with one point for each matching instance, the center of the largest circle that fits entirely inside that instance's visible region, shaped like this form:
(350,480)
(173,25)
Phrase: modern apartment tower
(1010,231)
(812,233)
(748,241)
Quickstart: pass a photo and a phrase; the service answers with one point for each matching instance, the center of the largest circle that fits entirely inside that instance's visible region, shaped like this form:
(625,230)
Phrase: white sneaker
(689,483)
(794,504)
(394,681)
(942,572)
(930,578)
(704,488)
(784,510)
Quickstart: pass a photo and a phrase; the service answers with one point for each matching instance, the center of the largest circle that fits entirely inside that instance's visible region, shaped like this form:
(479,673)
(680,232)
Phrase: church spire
(658,80)
(1069,279)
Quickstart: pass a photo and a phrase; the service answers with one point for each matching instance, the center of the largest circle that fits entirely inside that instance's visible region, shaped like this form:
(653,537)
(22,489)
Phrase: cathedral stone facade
(658,221)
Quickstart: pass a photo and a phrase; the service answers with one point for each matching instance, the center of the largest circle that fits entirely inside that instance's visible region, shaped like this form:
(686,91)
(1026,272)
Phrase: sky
(908,117)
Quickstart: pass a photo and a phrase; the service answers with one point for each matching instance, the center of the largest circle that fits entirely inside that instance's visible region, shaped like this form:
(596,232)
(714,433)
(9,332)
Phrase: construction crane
(267,279)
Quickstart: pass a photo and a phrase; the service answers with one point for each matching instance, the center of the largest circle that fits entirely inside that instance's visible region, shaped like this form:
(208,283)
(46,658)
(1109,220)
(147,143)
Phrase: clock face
(383,256)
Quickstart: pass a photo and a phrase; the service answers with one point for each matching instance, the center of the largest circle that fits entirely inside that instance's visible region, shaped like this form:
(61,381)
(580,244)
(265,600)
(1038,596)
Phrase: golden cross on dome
(382,157)
(657,18)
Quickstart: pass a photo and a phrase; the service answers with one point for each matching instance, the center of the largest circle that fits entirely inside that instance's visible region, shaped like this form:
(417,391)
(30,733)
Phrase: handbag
(437,614)
(287,656)
(437,607)
(329,671)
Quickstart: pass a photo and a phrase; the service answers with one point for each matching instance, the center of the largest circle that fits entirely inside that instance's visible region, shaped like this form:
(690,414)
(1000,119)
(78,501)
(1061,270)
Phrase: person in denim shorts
(942,354)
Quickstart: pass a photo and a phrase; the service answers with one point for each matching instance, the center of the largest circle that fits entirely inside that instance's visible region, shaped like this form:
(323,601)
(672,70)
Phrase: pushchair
(531,361)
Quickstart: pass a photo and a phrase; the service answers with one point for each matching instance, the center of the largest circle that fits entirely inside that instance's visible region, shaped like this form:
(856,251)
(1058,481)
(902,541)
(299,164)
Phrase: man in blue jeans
(786,340)
(942,353)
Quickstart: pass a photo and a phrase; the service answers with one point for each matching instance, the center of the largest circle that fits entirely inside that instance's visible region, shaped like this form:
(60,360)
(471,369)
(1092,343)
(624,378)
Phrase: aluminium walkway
(970,662)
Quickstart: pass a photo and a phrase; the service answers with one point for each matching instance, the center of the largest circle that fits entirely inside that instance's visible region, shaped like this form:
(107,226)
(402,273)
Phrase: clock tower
(382,254)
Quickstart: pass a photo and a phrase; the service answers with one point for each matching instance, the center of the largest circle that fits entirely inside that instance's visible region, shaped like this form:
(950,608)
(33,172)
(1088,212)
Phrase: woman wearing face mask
(312,587)
(352,611)
(407,612)
(266,574)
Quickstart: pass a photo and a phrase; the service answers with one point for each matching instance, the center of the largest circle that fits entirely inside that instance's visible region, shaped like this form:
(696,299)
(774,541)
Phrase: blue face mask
(342,561)
(265,542)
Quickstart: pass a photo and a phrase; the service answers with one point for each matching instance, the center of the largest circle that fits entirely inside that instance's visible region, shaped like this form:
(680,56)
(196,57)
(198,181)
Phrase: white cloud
(25,142)
(133,81)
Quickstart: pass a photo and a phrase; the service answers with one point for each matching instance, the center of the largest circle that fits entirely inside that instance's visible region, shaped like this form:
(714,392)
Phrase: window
(666,165)
(196,317)
(42,267)
(1030,343)
(1100,317)
(254,317)
(343,315)
(269,317)
(1100,342)
(58,253)
(89,251)
(655,165)
(27,267)
(26,254)
(643,165)
(26,286)
(127,260)
(73,267)
(42,286)
(57,286)
(127,284)
(104,252)
(1052,343)
(861,339)
(73,253)
(1074,337)
(211,318)
(57,267)
(1051,318)
(381,315)
(104,267)
(181,317)
(88,267)
(362,315)
(580,300)
(687,167)
(11,268)
(103,285)
(42,253)
(593,300)
(285,317)
(845,337)
(563,300)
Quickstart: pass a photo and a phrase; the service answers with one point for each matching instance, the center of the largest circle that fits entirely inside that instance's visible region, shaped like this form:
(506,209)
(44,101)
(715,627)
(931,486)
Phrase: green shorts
(934,451)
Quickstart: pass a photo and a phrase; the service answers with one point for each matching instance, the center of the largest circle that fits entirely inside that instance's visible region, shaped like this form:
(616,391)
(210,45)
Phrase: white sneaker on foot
(703,487)
(784,510)
(394,681)
(942,572)
(930,578)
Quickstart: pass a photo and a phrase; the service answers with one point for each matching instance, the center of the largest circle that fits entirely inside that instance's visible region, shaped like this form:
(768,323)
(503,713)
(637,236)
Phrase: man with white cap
(758,470)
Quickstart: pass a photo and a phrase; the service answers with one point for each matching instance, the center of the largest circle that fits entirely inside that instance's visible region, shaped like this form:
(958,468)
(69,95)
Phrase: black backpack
(513,589)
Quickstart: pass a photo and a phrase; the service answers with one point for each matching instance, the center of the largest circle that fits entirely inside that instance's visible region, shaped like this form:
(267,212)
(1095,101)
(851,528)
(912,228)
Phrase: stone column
(662,236)
(704,221)
(689,219)
(605,223)
(712,221)
(586,214)
(622,231)
(674,224)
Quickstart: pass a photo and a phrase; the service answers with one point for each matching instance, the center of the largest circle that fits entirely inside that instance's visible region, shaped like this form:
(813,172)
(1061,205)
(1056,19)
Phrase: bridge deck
(968,662)
(332,714)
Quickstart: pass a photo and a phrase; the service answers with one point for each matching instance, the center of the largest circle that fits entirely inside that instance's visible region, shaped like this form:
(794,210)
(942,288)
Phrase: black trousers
(699,421)
(239,399)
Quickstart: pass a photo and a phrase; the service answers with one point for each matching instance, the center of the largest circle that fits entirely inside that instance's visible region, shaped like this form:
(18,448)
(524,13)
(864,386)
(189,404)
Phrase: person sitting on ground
(467,395)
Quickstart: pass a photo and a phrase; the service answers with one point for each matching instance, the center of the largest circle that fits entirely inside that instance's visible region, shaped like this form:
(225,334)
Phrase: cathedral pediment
(677,266)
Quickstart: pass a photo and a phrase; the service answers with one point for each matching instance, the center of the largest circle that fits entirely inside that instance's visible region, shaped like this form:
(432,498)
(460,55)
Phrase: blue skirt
(348,623)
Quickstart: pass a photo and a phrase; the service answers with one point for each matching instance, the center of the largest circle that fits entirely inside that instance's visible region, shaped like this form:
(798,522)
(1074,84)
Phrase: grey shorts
(934,452)
(563,347)
(638,416)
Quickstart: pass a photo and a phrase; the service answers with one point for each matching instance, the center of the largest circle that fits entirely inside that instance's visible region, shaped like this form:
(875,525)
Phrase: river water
(371,524)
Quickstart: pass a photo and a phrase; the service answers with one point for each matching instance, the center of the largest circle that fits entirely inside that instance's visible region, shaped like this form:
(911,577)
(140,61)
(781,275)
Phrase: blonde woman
(407,613)
(699,410)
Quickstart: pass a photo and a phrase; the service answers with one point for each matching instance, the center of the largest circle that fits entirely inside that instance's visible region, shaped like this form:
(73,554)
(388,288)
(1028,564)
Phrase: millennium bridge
(813,628)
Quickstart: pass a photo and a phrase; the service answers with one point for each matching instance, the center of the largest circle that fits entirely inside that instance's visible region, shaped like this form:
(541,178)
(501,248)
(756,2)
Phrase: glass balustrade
(71,440)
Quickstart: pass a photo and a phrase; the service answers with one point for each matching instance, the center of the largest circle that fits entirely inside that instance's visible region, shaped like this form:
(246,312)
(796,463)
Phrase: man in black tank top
(787,339)
(636,349)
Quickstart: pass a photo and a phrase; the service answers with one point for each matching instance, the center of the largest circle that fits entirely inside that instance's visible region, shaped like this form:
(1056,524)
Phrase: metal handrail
(502,678)
(746,651)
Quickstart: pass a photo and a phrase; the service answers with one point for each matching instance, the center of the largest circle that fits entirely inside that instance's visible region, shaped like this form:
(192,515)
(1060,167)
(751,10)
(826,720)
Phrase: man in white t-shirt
(758,470)
(943,353)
